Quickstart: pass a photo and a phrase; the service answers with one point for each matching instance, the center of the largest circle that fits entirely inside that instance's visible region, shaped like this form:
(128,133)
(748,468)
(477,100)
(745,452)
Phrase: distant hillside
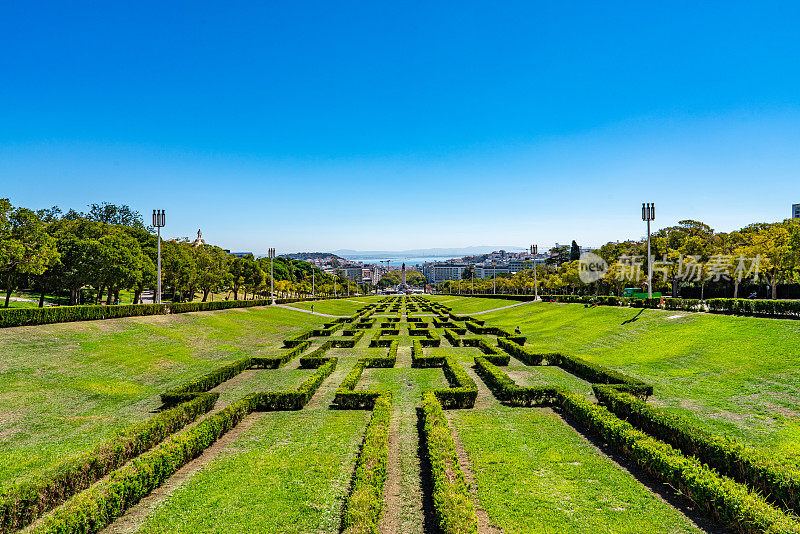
(459,251)
(311,255)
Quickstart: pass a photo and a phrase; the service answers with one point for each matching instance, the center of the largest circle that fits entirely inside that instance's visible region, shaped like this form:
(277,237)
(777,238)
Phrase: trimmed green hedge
(452,503)
(189,390)
(274,362)
(296,399)
(364,504)
(297,339)
(778,483)
(99,506)
(491,353)
(526,354)
(462,391)
(349,340)
(721,497)
(317,357)
(597,374)
(184,307)
(22,503)
(768,308)
(508,391)
(64,314)
(418,358)
(452,337)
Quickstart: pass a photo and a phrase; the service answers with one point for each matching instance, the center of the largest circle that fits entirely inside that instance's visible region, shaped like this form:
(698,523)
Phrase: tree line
(91,257)
(688,258)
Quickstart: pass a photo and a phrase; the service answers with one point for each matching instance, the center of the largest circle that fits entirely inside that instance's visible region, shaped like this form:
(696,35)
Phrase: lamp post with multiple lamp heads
(649,214)
(534,251)
(271,254)
(159,221)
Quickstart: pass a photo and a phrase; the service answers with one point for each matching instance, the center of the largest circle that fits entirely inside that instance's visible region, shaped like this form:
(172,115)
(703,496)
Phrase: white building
(354,274)
(439,272)
(487,270)
(796,211)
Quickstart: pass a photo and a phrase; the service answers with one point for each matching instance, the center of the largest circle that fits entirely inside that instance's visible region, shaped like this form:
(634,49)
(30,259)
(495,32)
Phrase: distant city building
(441,271)
(242,254)
(487,270)
(354,274)
(796,211)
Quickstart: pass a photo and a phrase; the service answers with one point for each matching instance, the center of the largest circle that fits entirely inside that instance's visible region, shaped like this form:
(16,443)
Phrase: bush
(183,307)
(364,504)
(99,506)
(462,391)
(22,503)
(526,354)
(274,362)
(508,391)
(452,337)
(297,339)
(491,353)
(347,398)
(597,374)
(767,308)
(418,358)
(64,314)
(724,499)
(349,341)
(317,357)
(189,390)
(296,399)
(743,464)
(452,504)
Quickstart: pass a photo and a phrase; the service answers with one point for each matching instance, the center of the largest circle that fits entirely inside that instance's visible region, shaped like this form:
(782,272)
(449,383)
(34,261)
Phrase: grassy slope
(64,387)
(736,375)
(346,306)
(471,304)
(535,474)
(289,472)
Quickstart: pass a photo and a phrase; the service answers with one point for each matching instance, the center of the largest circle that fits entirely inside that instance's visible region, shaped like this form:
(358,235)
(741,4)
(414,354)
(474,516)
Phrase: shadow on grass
(634,318)
(664,491)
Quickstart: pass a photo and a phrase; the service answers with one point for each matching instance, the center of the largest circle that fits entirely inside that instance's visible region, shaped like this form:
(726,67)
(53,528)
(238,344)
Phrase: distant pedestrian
(517,331)
(312,308)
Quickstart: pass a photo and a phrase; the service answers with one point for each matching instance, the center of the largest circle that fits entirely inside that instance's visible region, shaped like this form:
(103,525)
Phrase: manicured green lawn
(345,306)
(64,387)
(289,472)
(534,474)
(736,375)
(466,305)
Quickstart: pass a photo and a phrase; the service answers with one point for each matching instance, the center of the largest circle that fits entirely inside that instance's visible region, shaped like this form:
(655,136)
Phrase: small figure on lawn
(517,331)
(312,308)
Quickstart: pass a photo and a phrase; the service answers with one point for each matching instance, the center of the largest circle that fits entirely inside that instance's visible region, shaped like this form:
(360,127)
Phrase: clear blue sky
(324,125)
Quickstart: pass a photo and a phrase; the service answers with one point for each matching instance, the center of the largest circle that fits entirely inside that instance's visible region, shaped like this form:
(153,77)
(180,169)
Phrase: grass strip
(364,505)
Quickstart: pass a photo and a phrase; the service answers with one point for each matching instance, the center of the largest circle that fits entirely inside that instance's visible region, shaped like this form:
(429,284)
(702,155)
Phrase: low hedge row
(452,504)
(597,374)
(347,398)
(327,329)
(296,399)
(99,506)
(419,331)
(721,497)
(349,341)
(192,388)
(65,314)
(462,391)
(452,337)
(491,353)
(23,502)
(778,483)
(433,339)
(418,358)
(184,307)
(769,308)
(296,339)
(508,391)
(526,354)
(316,357)
(284,356)
(364,504)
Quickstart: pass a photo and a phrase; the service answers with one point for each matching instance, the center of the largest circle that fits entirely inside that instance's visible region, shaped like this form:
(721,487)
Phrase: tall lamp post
(158,221)
(494,277)
(312,279)
(534,251)
(649,214)
(271,278)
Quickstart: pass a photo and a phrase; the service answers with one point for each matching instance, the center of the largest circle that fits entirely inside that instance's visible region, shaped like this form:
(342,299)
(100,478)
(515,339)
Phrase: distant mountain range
(452,252)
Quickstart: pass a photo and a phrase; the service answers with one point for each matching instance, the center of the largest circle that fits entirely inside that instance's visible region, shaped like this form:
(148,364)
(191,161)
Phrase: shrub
(64,314)
(22,503)
(296,339)
(93,509)
(296,399)
(317,357)
(189,390)
(508,391)
(452,504)
(273,362)
(418,358)
(462,391)
(364,504)
(183,307)
(597,374)
(732,503)
(452,337)
(491,353)
(745,465)
(526,354)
